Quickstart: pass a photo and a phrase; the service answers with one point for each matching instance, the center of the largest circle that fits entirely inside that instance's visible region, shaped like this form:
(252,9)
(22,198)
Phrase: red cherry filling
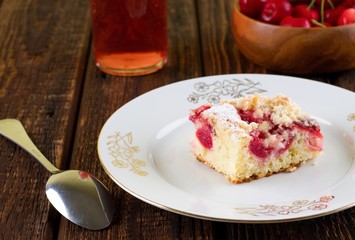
(204,135)
(203,128)
(279,138)
(249,116)
(195,114)
(286,142)
(257,146)
(275,141)
(315,140)
(307,125)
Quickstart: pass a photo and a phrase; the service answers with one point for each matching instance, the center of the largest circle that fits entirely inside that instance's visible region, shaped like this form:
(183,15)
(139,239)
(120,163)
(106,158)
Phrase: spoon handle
(13,130)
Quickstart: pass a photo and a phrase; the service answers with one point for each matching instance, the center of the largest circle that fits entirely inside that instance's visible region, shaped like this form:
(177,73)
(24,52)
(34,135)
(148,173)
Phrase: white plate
(144,147)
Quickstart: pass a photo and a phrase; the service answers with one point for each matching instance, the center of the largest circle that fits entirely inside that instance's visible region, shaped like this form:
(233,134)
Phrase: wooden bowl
(295,50)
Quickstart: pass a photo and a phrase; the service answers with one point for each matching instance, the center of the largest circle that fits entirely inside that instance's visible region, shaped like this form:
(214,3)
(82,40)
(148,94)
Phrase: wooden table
(49,81)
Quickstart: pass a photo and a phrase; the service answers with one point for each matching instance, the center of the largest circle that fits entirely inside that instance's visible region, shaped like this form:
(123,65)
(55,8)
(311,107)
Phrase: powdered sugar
(226,116)
(224,112)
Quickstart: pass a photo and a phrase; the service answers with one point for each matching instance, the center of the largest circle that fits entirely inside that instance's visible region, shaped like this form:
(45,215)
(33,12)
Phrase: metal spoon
(77,195)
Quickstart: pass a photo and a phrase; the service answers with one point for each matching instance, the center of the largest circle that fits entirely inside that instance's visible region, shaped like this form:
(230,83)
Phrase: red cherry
(298,2)
(257,146)
(248,116)
(195,114)
(315,141)
(204,135)
(302,11)
(275,10)
(251,8)
(327,5)
(326,24)
(309,127)
(290,21)
(332,15)
(347,17)
(349,3)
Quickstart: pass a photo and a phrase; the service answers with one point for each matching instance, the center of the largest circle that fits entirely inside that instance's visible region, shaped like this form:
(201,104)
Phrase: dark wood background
(49,81)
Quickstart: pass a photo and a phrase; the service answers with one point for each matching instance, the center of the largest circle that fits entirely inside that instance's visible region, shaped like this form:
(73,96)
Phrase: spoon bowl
(77,195)
(81,198)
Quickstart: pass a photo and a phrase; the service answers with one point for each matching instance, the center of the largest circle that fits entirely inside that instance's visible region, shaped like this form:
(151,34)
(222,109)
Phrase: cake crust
(291,168)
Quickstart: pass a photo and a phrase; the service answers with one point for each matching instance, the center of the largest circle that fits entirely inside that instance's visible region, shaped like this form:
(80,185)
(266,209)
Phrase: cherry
(275,10)
(248,116)
(204,135)
(257,146)
(290,21)
(329,3)
(349,3)
(298,2)
(303,11)
(307,125)
(315,143)
(319,13)
(251,8)
(204,129)
(347,17)
(286,143)
(332,15)
(195,114)
(315,140)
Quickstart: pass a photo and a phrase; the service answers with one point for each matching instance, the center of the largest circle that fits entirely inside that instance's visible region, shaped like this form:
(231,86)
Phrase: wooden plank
(345,80)
(220,54)
(42,58)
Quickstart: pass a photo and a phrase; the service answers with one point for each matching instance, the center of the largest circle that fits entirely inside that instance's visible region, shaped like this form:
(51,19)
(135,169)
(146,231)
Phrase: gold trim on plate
(122,150)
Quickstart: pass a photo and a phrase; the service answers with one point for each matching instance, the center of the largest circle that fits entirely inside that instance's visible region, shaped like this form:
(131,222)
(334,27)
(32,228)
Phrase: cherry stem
(331,3)
(311,4)
(322,11)
(318,24)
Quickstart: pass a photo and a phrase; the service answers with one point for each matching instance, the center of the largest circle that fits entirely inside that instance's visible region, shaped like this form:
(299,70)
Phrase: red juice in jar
(130,36)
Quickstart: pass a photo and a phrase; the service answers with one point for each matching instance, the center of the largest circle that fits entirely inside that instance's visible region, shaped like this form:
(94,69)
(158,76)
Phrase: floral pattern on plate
(294,208)
(122,150)
(215,91)
(351,117)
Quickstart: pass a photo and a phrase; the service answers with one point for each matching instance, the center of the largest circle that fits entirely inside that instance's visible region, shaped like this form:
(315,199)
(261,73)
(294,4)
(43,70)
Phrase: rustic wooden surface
(49,81)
